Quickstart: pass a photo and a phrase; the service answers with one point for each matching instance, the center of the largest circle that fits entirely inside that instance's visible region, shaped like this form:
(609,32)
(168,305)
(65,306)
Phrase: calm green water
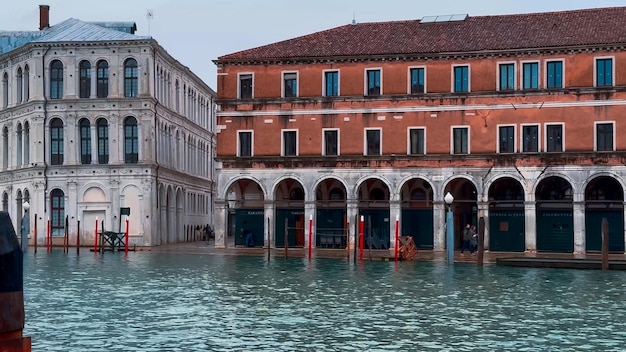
(173,302)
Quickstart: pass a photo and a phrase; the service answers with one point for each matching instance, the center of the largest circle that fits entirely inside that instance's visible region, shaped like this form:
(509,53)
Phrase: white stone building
(95,118)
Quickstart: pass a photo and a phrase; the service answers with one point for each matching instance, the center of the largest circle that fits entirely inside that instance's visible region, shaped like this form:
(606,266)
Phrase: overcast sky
(198,31)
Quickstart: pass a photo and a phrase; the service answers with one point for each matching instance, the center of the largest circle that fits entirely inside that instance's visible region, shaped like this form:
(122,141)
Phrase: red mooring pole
(95,246)
(310,236)
(77,237)
(397,237)
(126,244)
(361,239)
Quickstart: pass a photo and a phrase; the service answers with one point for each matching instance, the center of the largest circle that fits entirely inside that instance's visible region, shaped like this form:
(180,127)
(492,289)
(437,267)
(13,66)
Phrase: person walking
(473,239)
(467,236)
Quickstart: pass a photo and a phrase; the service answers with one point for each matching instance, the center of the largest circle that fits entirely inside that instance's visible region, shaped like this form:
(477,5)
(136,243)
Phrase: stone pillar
(309,213)
(530,225)
(483,212)
(352,212)
(220,223)
(579,224)
(94,142)
(269,236)
(439,221)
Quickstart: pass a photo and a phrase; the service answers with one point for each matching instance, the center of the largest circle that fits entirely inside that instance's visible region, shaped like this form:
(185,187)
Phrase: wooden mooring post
(605,244)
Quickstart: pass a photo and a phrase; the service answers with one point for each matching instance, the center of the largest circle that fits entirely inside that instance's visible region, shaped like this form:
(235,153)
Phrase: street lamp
(232,200)
(449,228)
(25,226)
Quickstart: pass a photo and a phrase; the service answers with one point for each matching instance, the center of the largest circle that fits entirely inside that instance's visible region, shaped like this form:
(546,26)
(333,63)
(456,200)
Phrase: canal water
(173,302)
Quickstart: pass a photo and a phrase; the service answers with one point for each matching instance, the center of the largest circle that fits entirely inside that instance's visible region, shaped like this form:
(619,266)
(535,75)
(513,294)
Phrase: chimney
(44,17)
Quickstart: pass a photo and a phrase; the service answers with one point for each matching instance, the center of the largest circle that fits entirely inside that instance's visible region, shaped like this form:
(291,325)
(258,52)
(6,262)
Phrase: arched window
(5,148)
(131,141)
(57,210)
(103,79)
(177,97)
(18,146)
(131,75)
(85,141)
(5,202)
(85,79)
(56,142)
(26,143)
(18,89)
(26,83)
(56,79)
(5,90)
(103,141)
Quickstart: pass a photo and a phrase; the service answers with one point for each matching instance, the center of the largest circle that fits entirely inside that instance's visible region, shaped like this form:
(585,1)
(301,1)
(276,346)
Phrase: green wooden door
(376,228)
(251,219)
(330,226)
(418,223)
(506,230)
(593,228)
(555,230)
(295,227)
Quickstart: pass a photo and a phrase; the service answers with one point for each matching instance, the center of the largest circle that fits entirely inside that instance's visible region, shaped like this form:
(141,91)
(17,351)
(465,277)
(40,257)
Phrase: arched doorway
(374,209)
(246,211)
(464,206)
(555,222)
(604,198)
(506,216)
(330,202)
(289,204)
(417,212)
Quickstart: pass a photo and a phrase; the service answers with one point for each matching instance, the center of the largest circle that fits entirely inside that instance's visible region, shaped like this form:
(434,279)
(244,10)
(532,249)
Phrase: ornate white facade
(94,119)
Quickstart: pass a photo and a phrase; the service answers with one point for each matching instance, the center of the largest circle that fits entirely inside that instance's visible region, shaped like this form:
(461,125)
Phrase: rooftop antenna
(353,18)
(149,16)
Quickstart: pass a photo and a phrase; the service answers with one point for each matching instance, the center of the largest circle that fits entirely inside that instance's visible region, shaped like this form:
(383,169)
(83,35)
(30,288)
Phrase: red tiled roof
(482,33)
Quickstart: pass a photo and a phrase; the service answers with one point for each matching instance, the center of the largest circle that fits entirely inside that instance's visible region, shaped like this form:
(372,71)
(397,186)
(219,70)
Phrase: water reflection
(173,302)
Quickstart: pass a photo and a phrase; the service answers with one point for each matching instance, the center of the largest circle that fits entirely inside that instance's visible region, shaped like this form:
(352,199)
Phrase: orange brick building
(517,116)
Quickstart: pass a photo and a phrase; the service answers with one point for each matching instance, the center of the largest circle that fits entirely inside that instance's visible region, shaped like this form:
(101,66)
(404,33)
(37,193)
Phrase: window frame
(367,81)
(239,85)
(131,78)
(453,139)
(522,139)
(468,73)
(523,74)
(510,75)
(57,148)
(513,135)
(596,74)
(103,150)
(239,141)
(84,125)
(283,142)
(410,79)
(284,85)
(57,212)
(596,134)
(324,144)
(409,143)
(366,141)
(547,73)
(56,80)
(325,83)
(131,156)
(84,79)
(102,79)
(546,127)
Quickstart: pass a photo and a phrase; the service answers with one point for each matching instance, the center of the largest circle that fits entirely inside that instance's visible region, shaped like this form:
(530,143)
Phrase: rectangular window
(245,86)
(56,145)
(103,142)
(331,83)
(461,79)
(554,138)
(290,143)
(530,139)
(290,85)
(102,83)
(554,78)
(417,141)
(507,76)
(372,142)
(604,72)
(85,80)
(506,139)
(85,142)
(244,143)
(417,80)
(331,143)
(531,75)
(604,137)
(373,82)
(460,140)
